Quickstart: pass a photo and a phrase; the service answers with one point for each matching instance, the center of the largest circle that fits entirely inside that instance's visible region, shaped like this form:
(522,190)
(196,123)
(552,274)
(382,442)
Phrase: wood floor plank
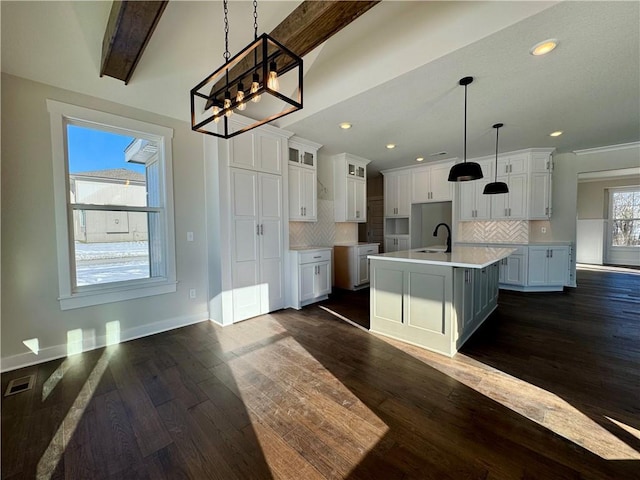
(150,433)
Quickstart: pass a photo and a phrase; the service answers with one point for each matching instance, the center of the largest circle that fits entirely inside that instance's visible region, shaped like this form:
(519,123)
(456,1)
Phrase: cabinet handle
(301,212)
(262,229)
(305,211)
(257,229)
(547,167)
(318,256)
(551,253)
(509,211)
(505,212)
(357,213)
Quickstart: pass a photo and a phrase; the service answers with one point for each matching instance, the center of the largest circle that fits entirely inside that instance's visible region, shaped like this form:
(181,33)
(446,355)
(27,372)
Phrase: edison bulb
(273,82)
(227,104)
(216,111)
(255,86)
(240,98)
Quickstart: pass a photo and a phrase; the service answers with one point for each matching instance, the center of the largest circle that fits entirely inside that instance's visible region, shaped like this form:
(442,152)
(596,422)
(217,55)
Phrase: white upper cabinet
(429,183)
(528,176)
(303,198)
(256,151)
(350,184)
(541,183)
(397,194)
(474,205)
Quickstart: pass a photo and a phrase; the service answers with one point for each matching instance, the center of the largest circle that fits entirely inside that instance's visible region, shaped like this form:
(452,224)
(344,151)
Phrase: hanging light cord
(497,133)
(255,19)
(226,32)
(465,124)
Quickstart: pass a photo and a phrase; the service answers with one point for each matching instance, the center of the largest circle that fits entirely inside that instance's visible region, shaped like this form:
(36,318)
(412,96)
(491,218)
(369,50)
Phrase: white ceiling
(393,73)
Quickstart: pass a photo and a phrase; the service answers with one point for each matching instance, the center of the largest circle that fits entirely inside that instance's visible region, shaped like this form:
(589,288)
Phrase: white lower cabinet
(310,275)
(513,269)
(548,265)
(351,265)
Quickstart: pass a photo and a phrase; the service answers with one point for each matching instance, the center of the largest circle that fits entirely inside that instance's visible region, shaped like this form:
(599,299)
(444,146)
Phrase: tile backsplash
(323,233)
(494,232)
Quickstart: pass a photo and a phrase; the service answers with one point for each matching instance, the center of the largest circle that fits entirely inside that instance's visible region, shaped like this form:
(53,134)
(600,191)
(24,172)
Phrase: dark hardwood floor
(548,388)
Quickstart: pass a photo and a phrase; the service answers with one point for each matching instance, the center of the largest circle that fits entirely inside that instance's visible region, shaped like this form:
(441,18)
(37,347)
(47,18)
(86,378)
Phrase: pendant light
(496,187)
(260,65)
(463,172)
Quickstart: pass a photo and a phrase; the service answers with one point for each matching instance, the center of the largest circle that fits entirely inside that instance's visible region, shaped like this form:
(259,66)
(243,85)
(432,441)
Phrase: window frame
(612,191)
(70,296)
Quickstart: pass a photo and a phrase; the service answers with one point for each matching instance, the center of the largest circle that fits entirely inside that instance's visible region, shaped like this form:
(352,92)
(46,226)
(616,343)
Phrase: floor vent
(21,384)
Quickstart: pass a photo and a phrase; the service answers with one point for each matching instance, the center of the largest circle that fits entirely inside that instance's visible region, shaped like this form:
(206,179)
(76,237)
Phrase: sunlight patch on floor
(548,410)
(52,455)
(278,395)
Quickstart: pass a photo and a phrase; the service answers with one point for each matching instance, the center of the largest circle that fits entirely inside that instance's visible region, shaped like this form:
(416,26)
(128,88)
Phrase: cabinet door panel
(537,266)
(323,279)
(517,196)
(540,196)
(309,201)
(403,243)
(270,196)
(390,195)
(441,187)
(242,152)
(390,244)
(244,185)
(483,202)
(514,270)
(361,201)
(558,266)
(425,305)
(271,285)
(269,153)
(467,201)
(500,202)
(351,199)
(404,194)
(307,281)
(295,193)
(420,186)
(363,269)
(387,304)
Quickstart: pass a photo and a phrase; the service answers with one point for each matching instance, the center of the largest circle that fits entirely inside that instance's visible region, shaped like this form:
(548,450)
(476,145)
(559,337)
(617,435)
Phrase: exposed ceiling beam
(312,23)
(130,26)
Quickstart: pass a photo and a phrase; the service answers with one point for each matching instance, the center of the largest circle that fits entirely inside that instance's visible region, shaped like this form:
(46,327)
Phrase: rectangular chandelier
(252,84)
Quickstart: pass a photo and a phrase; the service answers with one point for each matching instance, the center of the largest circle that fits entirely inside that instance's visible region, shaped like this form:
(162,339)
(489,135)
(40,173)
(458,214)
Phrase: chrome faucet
(435,234)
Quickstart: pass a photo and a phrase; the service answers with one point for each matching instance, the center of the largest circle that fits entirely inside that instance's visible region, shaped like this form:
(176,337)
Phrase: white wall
(593,197)
(30,308)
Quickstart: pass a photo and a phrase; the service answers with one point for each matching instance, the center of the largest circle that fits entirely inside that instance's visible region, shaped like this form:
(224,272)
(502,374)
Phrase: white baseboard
(46,354)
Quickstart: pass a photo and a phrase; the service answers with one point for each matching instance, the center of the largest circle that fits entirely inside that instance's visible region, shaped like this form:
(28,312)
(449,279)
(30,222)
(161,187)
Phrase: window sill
(110,295)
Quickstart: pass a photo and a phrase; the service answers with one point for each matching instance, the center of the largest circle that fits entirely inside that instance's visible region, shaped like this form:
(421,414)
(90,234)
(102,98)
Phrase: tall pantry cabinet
(246,228)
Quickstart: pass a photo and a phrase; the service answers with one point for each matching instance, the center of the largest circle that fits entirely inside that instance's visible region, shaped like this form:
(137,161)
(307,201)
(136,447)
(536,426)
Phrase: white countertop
(466,257)
(310,247)
(354,244)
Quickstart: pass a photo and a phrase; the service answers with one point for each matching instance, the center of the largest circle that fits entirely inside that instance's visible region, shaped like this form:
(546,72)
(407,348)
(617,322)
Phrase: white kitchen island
(434,300)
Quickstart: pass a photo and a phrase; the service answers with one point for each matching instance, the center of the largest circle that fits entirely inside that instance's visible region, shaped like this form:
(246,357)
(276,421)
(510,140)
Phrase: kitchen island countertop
(466,257)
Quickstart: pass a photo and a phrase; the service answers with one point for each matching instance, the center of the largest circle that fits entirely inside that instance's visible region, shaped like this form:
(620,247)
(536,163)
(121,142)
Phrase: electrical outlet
(189,236)
(543,229)
(192,293)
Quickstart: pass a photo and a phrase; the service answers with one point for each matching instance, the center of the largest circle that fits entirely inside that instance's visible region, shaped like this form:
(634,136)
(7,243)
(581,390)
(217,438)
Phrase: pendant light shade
(496,187)
(463,172)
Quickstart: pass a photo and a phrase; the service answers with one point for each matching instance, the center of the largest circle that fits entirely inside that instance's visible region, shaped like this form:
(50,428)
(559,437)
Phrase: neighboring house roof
(112,174)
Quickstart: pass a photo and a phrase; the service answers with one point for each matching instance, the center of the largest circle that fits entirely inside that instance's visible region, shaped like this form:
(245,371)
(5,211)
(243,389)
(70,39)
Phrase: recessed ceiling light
(543,47)
(419,159)
(391,145)
(557,133)
(345,125)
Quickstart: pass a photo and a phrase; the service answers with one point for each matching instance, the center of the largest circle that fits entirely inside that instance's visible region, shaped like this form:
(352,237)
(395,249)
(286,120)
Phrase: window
(114,206)
(625,217)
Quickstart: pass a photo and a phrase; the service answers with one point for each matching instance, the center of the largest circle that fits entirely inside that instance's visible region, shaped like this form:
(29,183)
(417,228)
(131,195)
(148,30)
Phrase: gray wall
(593,197)
(30,308)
